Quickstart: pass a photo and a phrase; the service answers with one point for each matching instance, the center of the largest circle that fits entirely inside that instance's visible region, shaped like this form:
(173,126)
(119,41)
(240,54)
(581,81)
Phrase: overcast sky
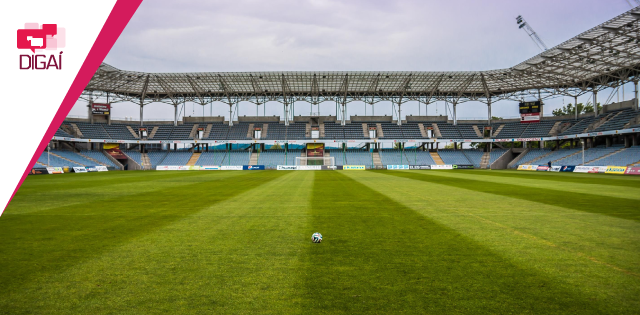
(331,35)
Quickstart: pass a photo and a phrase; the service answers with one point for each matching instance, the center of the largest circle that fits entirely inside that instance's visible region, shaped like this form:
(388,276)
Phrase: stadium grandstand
(604,57)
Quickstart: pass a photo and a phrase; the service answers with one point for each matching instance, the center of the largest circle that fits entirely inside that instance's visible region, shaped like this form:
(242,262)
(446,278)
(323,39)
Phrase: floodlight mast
(532,34)
(633,3)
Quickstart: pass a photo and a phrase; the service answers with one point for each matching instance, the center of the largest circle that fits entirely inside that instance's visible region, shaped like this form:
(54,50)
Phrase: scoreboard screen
(530,107)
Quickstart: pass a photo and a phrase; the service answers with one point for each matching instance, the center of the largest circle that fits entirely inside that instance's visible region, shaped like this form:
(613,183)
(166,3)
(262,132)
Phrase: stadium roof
(604,56)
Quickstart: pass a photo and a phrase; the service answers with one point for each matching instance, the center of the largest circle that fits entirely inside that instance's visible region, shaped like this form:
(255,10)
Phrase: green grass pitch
(414,242)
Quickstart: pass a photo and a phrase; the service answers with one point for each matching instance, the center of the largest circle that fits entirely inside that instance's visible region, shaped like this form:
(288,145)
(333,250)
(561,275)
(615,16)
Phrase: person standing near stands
(549,166)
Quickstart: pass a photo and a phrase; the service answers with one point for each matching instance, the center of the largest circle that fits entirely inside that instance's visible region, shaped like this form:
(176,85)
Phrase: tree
(569,109)
(275,146)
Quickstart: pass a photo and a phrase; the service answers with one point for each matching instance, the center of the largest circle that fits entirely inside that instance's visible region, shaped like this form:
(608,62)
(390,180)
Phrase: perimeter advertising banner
(353,167)
(419,167)
(397,167)
(231,168)
(616,169)
(555,168)
(632,170)
(542,168)
(80,169)
(568,168)
(55,170)
(463,167)
(253,167)
(441,167)
(210,168)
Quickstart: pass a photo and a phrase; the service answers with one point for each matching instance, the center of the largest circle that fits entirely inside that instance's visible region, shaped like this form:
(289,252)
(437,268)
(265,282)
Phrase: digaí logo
(36,37)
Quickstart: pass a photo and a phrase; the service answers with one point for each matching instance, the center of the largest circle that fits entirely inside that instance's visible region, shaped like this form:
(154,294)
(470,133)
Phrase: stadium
(418,213)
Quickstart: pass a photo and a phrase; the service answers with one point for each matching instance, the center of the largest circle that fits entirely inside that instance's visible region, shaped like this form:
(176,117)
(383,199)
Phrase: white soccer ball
(316,237)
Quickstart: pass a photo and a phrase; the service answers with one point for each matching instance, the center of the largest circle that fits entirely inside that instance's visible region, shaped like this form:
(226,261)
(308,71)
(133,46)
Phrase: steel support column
(399,114)
(175,114)
(595,102)
(344,114)
(455,117)
(576,106)
(635,92)
(489,113)
(141,114)
(230,114)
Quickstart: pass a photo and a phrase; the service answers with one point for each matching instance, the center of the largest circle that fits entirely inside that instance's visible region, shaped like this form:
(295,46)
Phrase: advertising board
(463,167)
(419,167)
(616,169)
(632,170)
(39,171)
(586,169)
(210,168)
(80,169)
(91,169)
(555,168)
(102,168)
(287,168)
(253,167)
(397,167)
(567,168)
(353,167)
(441,167)
(55,170)
(542,168)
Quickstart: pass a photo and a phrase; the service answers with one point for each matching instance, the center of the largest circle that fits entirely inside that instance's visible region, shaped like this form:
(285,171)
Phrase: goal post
(318,160)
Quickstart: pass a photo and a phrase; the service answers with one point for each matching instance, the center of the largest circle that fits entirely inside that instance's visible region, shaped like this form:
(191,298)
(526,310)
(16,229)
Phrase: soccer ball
(316,237)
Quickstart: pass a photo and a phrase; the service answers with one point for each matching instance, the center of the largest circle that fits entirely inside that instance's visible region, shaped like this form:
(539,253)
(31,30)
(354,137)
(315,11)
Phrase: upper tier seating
(62,133)
(276,131)
(296,131)
(510,130)
(93,131)
(119,132)
(618,120)
(537,130)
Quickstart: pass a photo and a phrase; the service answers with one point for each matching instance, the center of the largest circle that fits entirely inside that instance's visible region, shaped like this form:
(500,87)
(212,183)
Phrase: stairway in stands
(376,159)
(194,158)
(486,158)
(436,158)
(146,161)
(254,158)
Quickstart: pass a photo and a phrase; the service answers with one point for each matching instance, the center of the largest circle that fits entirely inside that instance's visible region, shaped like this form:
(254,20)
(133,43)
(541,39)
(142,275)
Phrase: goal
(318,160)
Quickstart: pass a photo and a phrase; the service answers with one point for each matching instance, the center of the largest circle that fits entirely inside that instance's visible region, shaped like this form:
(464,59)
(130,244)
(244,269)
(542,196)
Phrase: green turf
(224,242)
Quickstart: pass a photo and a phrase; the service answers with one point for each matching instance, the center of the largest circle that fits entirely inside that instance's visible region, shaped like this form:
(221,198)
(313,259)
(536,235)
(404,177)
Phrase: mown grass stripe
(578,178)
(226,259)
(624,208)
(33,245)
(392,259)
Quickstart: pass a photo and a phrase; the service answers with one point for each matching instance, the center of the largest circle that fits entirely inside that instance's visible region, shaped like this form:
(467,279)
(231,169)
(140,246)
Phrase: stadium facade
(604,57)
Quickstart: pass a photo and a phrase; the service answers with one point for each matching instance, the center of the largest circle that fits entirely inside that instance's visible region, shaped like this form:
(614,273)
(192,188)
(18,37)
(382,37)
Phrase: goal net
(318,160)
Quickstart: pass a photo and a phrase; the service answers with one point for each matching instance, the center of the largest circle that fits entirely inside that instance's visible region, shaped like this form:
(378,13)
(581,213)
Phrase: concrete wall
(260,119)
(502,162)
(427,118)
(202,119)
(362,119)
